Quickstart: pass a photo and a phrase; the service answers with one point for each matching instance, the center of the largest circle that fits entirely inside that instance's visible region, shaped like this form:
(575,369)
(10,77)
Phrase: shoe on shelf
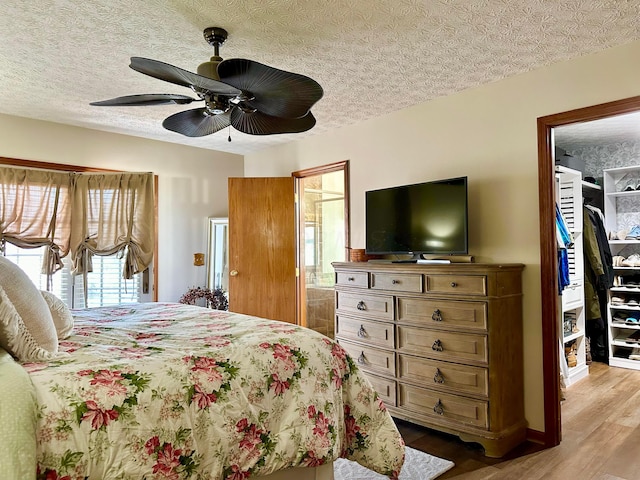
(633,302)
(631,321)
(619,317)
(617,260)
(632,260)
(634,337)
(630,186)
(617,300)
(634,233)
(622,234)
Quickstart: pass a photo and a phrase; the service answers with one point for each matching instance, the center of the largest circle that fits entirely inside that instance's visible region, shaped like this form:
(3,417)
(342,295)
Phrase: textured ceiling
(617,129)
(371,57)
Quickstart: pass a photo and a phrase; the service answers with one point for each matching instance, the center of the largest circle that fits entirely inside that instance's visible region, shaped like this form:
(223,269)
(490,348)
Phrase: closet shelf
(622,306)
(617,208)
(573,336)
(590,185)
(628,326)
(623,342)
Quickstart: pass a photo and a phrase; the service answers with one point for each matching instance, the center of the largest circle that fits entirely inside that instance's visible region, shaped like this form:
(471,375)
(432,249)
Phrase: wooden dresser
(441,344)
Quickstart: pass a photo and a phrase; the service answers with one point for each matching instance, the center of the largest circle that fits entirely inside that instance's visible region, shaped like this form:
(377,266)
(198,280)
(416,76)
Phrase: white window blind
(105,285)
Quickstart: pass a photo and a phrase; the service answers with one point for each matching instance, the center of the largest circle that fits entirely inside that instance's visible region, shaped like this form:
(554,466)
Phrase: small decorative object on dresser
(441,344)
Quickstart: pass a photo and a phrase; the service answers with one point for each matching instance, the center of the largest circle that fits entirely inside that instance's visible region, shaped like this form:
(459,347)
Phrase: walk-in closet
(598,230)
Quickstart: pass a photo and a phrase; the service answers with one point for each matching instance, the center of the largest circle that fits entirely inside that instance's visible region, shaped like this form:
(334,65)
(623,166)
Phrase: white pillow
(32,311)
(15,337)
(62,318)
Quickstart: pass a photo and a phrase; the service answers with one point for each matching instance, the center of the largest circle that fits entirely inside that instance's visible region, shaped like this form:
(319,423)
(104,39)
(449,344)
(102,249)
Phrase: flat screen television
(423,218)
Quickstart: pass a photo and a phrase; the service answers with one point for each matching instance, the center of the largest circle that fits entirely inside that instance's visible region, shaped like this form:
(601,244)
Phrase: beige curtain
(113,212)
(35,211)
(79,213)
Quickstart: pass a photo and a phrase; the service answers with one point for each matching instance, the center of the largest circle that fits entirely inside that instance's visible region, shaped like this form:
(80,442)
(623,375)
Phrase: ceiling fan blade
(196,122)
(169,73)
(277,93)
(145,99)
(258,123)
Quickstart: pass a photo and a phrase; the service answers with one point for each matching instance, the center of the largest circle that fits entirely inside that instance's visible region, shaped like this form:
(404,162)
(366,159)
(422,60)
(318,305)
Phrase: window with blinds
(105,285)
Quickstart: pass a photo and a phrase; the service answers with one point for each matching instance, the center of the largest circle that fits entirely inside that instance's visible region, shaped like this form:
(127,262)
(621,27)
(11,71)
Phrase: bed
(174,391)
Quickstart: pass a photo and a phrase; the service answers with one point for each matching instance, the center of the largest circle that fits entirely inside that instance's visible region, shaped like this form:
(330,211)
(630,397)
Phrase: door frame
(548,251)
(298,176)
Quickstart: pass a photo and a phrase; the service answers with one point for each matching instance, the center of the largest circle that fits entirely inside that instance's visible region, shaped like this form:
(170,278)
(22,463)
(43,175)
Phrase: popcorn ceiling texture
(371,57)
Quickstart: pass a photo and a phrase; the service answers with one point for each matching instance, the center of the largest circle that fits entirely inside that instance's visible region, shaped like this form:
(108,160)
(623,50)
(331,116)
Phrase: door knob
(233,273)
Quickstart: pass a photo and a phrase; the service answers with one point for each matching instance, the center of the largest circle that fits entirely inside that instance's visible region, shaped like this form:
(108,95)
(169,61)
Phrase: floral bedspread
(173,391)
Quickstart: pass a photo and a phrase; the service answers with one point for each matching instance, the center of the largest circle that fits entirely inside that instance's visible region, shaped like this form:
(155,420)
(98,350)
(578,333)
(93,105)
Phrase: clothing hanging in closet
(565,240)
(598,279)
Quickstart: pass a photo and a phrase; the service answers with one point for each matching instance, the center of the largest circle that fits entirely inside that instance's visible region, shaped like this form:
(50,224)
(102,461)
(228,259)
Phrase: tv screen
(423,218)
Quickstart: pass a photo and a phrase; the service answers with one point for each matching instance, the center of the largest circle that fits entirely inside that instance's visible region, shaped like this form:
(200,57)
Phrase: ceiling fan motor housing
(210,69)
(215,36)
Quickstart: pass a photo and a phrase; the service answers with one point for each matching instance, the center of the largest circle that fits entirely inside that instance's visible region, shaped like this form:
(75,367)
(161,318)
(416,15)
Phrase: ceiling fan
(252,97)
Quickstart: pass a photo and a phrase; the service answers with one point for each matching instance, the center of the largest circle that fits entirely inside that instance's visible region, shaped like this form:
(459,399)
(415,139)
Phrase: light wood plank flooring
(600,431)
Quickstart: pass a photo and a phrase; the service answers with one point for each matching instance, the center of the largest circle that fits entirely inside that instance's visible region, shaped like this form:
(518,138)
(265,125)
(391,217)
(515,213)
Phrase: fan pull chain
(229,138)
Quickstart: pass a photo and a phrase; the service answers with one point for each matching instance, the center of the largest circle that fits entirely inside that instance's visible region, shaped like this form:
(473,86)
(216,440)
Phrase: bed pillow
(15,337)
(34,321)
(62,318)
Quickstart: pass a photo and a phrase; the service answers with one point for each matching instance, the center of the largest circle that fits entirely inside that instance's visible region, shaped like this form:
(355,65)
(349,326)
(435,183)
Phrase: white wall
(192,184)
(489,135)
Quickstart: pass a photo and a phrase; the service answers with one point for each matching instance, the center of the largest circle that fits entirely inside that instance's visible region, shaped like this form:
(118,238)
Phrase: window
(105,285)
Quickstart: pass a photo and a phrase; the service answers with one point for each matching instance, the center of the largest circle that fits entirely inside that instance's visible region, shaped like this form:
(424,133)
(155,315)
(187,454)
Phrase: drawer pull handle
(439,408)
(361,359)
(437,315)
(437,346)
(362,333)
(351,279)
(454,284)
(438,377)
(395,282)
(361,306)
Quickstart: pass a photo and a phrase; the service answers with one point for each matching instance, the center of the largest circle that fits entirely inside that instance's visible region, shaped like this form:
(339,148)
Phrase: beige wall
(192,184)
(489,135)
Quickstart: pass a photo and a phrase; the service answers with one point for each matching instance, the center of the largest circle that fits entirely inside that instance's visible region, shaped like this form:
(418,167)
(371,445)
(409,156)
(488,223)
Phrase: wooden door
(262,246)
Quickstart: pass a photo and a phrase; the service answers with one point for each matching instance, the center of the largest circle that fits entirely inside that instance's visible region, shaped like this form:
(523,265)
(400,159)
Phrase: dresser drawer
(443,313)
(371,359)
(353,279)
(460,347)
(432,404)
(385,388)
(457,284)
(443,375)
(399,282)
(365,306)
(366,331)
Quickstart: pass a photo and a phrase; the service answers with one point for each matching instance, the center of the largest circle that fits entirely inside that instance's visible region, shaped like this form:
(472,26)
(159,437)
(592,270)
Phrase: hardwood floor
(600,431)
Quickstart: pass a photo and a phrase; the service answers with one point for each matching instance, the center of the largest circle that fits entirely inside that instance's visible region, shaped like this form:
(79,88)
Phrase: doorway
(548,251)
(322,221)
